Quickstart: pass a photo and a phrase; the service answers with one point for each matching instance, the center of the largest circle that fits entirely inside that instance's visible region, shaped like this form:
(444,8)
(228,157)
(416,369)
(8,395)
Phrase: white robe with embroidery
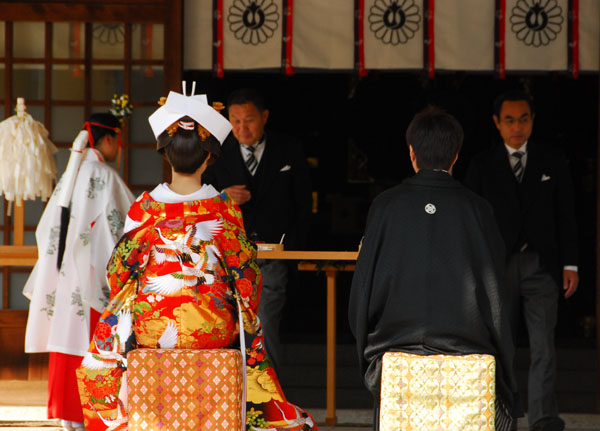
(60,301)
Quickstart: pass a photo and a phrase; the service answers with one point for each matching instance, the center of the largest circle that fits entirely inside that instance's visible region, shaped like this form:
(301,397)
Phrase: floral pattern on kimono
(174,280)
(58,318)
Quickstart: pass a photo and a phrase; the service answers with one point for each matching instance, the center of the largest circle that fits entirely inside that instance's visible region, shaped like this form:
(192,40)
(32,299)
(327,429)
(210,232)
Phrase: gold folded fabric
(437,392)
(171,389)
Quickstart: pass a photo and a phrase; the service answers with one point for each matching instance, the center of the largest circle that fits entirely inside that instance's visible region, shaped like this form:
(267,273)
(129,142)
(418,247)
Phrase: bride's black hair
(185,150)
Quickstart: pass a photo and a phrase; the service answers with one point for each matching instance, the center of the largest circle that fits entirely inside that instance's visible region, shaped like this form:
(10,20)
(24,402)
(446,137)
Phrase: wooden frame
(14,256)
(598,261)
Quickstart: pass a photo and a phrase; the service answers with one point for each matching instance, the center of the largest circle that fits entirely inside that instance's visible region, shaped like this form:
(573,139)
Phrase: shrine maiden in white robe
(59,312)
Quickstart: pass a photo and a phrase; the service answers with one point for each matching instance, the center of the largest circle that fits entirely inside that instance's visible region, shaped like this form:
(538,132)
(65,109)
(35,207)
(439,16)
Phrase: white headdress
(194,106)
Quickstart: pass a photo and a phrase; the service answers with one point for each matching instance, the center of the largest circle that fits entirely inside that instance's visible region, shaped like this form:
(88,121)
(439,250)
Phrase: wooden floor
(23,393)
(23,408)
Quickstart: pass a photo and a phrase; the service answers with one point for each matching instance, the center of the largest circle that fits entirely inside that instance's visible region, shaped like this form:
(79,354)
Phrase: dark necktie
(251,162)
(518,166)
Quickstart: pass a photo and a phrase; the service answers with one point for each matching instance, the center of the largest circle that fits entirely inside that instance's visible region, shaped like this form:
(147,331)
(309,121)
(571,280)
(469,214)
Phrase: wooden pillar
(19,223)
(331,418)
(598,256)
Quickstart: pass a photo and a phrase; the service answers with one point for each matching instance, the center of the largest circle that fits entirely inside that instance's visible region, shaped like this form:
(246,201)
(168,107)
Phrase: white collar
(511,150)
(162,193)
(93,154)
(257,147)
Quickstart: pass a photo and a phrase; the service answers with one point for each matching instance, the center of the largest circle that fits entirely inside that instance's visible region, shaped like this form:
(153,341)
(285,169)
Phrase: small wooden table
(331,273)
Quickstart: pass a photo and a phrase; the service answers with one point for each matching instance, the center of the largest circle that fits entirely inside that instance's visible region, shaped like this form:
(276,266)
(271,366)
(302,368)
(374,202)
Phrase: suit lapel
(533,173)
(502,170)
(265,171)
(236,166)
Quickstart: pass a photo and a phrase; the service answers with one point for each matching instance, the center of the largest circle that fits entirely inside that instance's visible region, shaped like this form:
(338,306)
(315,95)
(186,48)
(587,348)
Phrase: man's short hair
(435,137)
(515,95)
(247,95)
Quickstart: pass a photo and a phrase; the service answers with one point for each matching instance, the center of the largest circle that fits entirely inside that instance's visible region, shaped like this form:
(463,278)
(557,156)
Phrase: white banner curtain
(393,34)
(464,35)
(197,34)
(589,35)
(323,34)
(536,35)
(252,34)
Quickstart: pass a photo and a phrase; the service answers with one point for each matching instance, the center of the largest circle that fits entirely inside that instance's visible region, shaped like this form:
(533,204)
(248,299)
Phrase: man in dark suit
(531,191)
(266,174)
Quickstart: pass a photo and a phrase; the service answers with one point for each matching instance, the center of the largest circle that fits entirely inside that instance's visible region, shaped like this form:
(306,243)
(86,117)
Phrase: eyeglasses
(509,121)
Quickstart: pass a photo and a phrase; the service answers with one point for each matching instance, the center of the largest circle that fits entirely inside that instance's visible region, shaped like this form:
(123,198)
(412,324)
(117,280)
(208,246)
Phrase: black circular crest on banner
(253,21)
(536,22)
(394,21)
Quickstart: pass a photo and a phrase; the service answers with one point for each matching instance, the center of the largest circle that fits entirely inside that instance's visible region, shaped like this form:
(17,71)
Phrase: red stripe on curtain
(431,38)
(76,48)
(500,39)
(288,21)
(218,38)
(573,49)
(147,45)
(428,38)
(359,37)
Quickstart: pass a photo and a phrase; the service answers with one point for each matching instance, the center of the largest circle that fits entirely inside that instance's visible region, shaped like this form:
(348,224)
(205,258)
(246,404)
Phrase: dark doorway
(353,132)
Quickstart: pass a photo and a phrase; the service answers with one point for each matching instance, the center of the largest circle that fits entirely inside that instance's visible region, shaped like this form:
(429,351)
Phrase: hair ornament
(186,125)
(218,106)
(173,128)
(203,133)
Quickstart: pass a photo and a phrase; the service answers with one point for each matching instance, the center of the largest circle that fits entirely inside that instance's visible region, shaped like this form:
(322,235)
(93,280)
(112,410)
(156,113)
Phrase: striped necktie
(518,166)
(251,162)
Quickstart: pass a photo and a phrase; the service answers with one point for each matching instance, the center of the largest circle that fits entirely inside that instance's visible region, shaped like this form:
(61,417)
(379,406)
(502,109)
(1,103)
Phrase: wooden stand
(17,254)
(331,273)
(19,224)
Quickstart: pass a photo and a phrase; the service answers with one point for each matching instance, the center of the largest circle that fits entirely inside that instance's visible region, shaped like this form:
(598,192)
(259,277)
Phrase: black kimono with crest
(428,279)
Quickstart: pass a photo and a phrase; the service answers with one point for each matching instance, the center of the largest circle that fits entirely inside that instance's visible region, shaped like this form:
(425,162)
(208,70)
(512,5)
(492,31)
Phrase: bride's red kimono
(174,280)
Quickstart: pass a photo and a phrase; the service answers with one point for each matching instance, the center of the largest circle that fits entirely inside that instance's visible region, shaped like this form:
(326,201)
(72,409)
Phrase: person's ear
(453,162)
(265,116)
(413,158)
(496,121)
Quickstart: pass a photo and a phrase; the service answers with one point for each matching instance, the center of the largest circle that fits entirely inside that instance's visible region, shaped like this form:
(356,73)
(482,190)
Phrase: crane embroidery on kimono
(168,340)
(111,358)
(197,260)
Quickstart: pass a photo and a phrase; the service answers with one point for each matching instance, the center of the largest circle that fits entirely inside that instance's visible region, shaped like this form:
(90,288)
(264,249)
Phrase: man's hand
(570,282)
(240,194)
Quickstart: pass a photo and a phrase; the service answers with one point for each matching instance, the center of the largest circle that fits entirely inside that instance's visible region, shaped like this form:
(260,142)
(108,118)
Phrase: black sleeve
(360,291)
(496,311)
